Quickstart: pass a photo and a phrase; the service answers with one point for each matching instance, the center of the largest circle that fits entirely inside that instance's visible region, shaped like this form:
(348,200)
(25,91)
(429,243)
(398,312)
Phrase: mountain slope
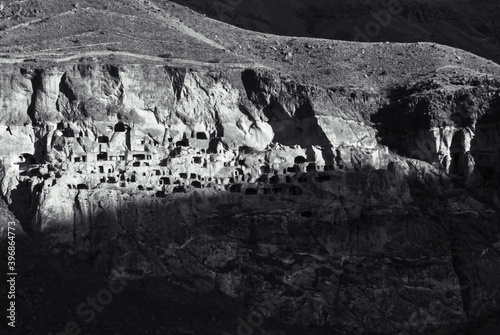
(467,25)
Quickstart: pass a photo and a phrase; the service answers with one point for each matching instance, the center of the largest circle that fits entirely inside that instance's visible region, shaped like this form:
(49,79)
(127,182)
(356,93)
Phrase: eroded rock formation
(342,208)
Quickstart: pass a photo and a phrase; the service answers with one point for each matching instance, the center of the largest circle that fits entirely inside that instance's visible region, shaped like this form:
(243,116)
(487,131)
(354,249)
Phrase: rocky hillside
(468,25)
(241,181)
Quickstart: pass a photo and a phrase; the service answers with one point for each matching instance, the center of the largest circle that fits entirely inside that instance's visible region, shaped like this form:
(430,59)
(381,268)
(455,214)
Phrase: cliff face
(342,208)
(450,122)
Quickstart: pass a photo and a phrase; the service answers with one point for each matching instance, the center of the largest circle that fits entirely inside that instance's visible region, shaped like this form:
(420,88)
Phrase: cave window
(158,173)
(300,160)
(82,187)
(136,164)
(101,169)
(111,180)
(165,180)
(103,139)
(235,188)
(84,158)
(68,132)
(197,160)
(311,167)
(140,187)
(265,169)
(183,175)
(119,127)
(103,156)
(193,176)
(139,157)
(244,150)
(122,158)
(196,184)
(201,136)
(77,159)
(133,179)
(183,143)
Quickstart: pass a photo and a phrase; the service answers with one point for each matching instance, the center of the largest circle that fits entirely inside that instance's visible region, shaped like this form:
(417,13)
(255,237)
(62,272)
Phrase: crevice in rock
(178,76)
(65,88)
(36,84)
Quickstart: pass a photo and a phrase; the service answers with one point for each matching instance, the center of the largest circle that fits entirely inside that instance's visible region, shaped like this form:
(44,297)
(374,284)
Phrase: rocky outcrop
(450,122)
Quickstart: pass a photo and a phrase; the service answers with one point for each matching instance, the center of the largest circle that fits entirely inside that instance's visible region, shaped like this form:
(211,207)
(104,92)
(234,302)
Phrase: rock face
(450,122)
(362,213)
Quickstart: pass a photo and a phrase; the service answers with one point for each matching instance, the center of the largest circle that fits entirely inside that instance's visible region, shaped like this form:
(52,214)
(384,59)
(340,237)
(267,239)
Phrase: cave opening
(103,139)
(120,127)
(103,156)
(201,136)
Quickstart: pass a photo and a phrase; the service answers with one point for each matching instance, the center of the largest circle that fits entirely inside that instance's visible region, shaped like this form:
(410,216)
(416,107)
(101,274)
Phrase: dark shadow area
(301,128)
(24,205)
(457,154)
(358,21)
